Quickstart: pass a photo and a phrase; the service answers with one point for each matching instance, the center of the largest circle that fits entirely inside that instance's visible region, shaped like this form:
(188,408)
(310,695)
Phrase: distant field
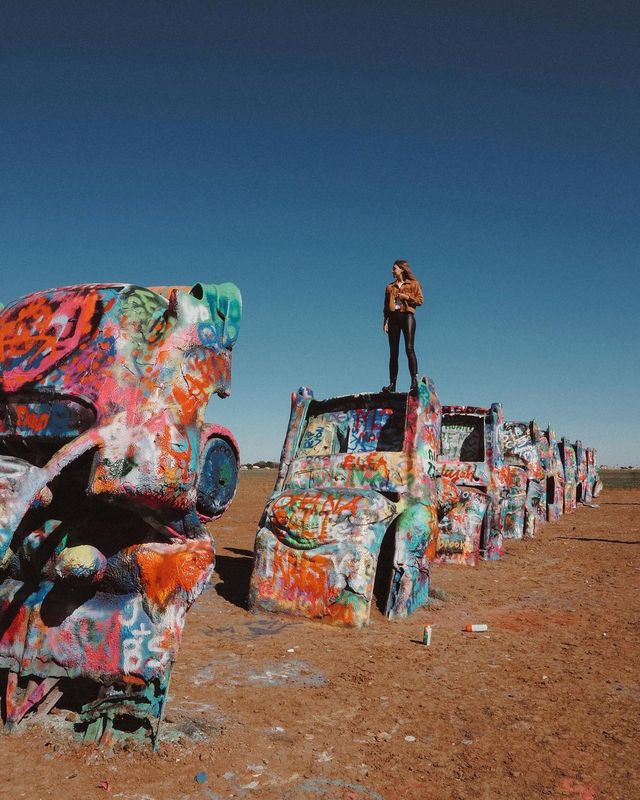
(620,478)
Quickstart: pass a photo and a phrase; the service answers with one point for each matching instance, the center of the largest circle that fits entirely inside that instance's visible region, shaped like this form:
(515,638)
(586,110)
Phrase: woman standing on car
(401,298)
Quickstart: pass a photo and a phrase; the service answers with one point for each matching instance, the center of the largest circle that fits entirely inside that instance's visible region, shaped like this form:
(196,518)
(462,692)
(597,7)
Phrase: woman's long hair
(407,274)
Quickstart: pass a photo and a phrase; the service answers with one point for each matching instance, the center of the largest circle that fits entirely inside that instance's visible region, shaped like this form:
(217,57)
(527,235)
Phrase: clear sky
(297,148)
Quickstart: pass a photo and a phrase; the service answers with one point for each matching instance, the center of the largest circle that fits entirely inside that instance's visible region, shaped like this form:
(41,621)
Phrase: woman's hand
(385,326)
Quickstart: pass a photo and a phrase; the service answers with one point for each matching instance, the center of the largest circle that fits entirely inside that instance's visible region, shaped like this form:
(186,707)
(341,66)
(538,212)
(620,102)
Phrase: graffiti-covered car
(521,448)
(549,449)
(570,467)
(581,471)
(472,458)
(108,475)
(593,483)
(354,507)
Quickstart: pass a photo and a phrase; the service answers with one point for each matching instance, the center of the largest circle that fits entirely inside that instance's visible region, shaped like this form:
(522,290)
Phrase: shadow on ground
(235,574)
(595,539)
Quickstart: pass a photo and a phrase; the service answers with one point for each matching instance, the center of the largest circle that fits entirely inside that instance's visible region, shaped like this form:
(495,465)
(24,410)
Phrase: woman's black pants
(401,321)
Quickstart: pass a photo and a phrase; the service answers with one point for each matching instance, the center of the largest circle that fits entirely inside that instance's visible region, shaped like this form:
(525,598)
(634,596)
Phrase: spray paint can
(426,635)
(476,628)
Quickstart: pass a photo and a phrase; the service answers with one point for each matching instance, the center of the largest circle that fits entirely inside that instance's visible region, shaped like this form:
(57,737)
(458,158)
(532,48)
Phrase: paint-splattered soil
(545,704)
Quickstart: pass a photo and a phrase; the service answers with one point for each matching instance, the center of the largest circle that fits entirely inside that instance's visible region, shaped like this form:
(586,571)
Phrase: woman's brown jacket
(411,289)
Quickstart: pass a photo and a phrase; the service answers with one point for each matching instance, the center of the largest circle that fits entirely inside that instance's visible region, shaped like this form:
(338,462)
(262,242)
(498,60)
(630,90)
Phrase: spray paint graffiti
(472,456)
(374,477)
(461,511)
(108,475)
(522,450)
(549,457)
(357,484)
(569,463)
(581,471)
(594,484)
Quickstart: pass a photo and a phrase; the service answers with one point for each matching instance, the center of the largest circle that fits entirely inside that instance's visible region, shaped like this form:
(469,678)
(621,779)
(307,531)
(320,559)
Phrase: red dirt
(545,704)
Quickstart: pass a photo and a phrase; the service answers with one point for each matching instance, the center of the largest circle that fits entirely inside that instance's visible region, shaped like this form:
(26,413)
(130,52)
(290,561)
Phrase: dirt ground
(545,704)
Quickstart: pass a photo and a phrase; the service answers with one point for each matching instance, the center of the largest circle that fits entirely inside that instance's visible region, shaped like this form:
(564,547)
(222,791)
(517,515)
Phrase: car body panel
(355,472)
(108,475)
(472,456)
(593,483)
(462,512)
(522,451)
(581,471)
(569,463)
(554,472)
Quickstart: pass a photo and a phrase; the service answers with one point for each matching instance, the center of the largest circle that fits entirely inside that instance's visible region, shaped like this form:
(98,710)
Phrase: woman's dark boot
(414,384)
(390,388)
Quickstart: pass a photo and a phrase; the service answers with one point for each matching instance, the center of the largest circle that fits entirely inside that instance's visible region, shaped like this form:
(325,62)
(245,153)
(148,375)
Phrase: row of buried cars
(374,488)
(109,478)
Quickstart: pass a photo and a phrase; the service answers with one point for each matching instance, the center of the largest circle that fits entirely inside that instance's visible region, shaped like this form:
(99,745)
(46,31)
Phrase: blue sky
(298,148)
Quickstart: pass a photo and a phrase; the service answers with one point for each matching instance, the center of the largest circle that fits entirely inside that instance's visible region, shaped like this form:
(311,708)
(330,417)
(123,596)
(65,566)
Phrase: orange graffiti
(164,569)
(362,470)
(36,348)
(25,418)
(303,582)
(314,515)
(459,472)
